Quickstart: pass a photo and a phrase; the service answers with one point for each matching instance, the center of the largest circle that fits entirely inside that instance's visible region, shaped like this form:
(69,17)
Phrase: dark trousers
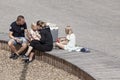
(40,47)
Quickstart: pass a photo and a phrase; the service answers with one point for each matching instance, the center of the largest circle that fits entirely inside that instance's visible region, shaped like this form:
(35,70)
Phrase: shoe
(22,54)
(85,50)
(12,55)
(25,57)
(15,57)
(28,61)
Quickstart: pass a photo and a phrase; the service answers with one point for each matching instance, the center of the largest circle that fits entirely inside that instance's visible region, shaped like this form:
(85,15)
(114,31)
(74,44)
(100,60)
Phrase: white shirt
(71,42)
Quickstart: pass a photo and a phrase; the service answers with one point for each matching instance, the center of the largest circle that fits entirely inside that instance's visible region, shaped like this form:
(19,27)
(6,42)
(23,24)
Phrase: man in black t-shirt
(17,35)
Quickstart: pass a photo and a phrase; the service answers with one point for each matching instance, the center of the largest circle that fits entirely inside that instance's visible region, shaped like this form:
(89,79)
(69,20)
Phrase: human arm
(12,37)
(43,37)
(38,35)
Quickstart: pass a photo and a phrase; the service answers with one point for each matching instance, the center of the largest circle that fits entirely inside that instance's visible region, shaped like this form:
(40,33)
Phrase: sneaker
(28,61)
(12,55)
(85,50)
(22,54)
(25,57)
(15,57)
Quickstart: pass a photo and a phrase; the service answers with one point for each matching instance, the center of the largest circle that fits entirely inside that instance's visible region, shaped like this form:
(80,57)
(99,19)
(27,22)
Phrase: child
(34,34)
(69,42)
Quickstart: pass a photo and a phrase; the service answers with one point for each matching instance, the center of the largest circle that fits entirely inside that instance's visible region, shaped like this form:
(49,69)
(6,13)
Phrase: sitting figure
(69,42)
(44,44)
(17,32)
(34,34)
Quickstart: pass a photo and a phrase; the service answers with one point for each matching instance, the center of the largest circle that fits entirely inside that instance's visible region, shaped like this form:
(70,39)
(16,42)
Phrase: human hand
(17,39)
(39,36)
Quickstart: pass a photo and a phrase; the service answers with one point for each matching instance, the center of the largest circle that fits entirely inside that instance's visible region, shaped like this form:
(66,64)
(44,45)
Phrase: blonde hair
(33,26)
(68,30)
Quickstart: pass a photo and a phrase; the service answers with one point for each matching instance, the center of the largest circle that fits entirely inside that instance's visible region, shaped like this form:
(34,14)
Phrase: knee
(33,43)
(10,43)
(24,40)
(24,45)
(57,44)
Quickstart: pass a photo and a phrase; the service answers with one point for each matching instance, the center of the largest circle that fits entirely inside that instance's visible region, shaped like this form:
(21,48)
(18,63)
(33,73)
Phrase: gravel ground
(17,70)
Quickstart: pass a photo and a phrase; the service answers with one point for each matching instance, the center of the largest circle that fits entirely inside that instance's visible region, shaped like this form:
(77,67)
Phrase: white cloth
(35,35)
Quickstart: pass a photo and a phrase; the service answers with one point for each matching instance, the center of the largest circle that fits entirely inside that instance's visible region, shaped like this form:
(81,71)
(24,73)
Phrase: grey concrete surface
(100,66)
(96,23)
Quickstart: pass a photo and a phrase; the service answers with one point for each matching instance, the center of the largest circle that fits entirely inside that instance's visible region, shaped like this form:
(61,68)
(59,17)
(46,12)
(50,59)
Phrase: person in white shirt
(69,42)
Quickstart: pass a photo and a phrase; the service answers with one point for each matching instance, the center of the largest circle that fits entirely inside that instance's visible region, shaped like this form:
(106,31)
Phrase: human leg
(11,44)
(60,45)
(24,45)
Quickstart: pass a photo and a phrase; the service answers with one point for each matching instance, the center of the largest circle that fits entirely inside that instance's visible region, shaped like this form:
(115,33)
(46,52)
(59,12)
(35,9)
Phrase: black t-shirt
(18,30)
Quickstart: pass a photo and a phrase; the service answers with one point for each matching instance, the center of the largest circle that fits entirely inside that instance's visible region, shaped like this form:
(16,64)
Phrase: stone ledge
(56,61)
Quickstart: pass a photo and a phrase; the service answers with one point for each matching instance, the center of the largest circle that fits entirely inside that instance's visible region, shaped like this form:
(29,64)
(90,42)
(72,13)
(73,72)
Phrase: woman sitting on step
(44,44)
